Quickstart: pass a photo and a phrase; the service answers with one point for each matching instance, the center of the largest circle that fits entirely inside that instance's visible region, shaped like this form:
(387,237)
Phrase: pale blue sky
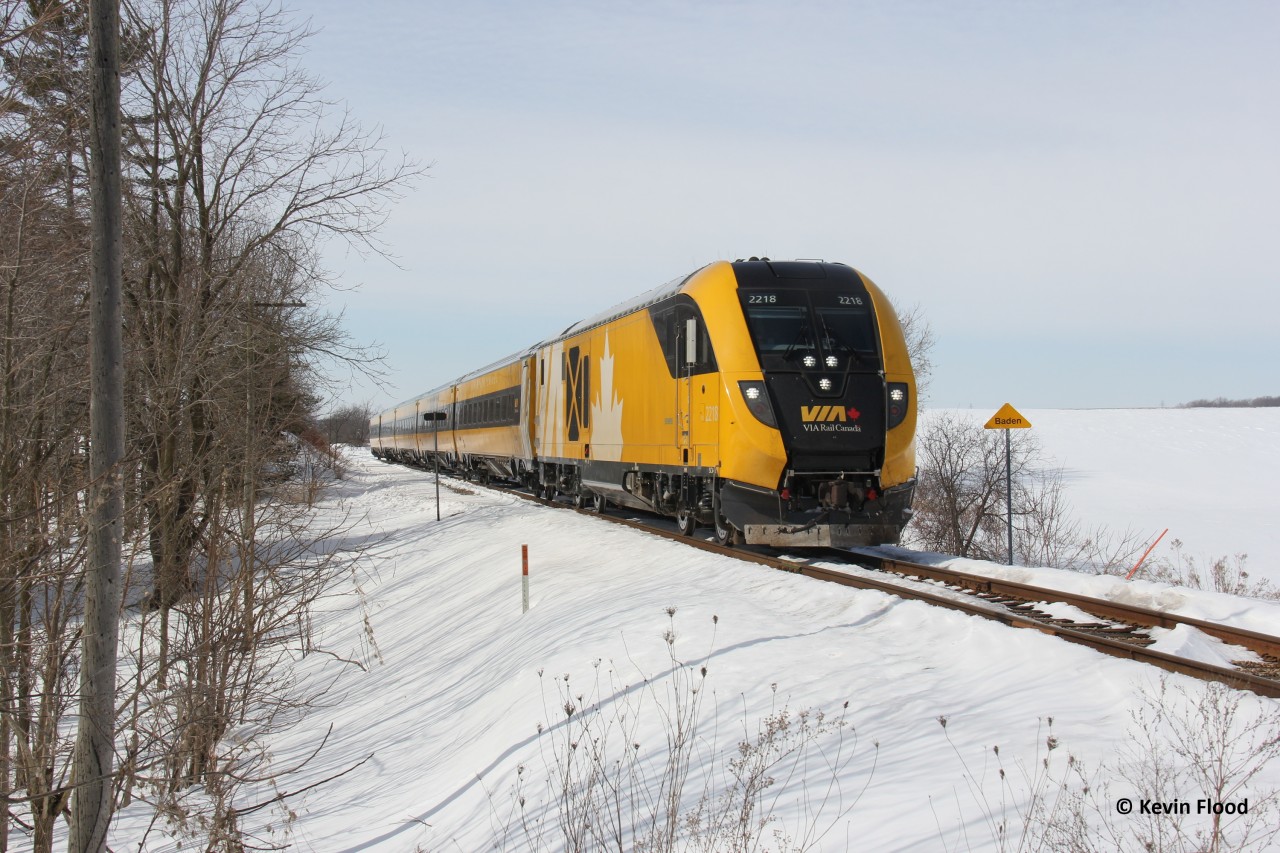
(1082,197)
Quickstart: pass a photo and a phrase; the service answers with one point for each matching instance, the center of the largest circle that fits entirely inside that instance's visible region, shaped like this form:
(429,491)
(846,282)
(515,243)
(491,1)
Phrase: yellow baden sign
(1007,418)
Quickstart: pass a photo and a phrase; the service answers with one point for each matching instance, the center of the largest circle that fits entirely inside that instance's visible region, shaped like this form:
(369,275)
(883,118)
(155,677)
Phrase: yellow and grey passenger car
(771,400)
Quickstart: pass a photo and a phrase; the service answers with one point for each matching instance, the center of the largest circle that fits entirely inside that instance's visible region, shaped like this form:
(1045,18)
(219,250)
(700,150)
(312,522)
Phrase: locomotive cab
(836,384)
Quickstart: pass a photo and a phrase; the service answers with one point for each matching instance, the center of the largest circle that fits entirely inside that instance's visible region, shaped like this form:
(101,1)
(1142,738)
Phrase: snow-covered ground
(1207,475)
(454,683)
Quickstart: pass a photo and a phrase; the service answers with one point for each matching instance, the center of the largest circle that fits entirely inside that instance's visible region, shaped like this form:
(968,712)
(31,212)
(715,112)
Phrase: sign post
(435,418)
(1006,419)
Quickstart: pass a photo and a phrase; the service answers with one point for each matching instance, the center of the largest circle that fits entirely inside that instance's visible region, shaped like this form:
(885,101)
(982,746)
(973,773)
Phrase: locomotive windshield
(807,328)
(782,330)
(847,331)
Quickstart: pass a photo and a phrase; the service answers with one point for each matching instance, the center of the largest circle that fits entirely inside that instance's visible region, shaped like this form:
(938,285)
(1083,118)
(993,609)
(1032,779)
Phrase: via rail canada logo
(830,418)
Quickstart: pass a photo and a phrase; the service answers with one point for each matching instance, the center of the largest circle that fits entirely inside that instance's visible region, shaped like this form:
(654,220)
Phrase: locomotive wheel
(580,500)
(725,533)
(596,503)
(686,522)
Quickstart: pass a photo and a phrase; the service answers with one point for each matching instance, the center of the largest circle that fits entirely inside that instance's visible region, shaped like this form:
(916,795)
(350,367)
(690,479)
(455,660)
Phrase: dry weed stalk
(602,788)
(1186,744)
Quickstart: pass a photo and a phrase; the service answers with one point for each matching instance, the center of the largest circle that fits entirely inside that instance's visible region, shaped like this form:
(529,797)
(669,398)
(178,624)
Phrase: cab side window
(670,322)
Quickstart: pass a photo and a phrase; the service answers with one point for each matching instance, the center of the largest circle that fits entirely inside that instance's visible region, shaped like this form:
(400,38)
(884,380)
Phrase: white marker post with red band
(524,577)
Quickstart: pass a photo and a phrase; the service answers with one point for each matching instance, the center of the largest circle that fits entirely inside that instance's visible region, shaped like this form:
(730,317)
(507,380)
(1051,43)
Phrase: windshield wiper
(829,336)
(802,335)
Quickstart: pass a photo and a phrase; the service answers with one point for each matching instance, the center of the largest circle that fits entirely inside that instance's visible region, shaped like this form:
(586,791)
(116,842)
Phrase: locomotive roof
(622,309)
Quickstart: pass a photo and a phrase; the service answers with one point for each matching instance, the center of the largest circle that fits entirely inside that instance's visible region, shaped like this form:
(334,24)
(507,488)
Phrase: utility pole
(95,737)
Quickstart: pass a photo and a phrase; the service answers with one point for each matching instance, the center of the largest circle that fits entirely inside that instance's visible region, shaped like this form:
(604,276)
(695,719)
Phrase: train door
(682,327)
(697,393)
(449,441)
(418,428)
(538,404)
(526,414)
(548,410)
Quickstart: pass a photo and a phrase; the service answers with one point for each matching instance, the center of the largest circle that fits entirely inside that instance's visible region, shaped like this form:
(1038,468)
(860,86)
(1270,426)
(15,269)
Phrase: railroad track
(1117,629)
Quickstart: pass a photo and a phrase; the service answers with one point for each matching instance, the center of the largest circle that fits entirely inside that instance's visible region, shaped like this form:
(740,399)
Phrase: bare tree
(239,167)
(348,425)
(241,159)
(960,497)
(43,401)
(235,166)
(920,341)
(960,503)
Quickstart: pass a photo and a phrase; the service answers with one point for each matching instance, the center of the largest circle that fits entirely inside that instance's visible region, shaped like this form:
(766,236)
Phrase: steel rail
(1100,607)
(1235,678)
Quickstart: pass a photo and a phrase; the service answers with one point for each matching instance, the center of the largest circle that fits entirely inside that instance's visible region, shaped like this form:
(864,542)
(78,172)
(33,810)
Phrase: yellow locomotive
(773,400)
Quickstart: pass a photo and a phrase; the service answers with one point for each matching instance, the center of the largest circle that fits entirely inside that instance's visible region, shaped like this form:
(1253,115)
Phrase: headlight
(832,361)
(824,384)
(899,402)
(810,361)
(758,402)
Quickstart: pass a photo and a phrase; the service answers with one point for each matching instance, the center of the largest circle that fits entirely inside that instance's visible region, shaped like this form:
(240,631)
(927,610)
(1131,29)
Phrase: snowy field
(1208,475)
(437,689)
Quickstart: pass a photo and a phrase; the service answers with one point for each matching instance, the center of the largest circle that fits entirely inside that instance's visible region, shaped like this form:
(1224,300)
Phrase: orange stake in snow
(1145,555)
